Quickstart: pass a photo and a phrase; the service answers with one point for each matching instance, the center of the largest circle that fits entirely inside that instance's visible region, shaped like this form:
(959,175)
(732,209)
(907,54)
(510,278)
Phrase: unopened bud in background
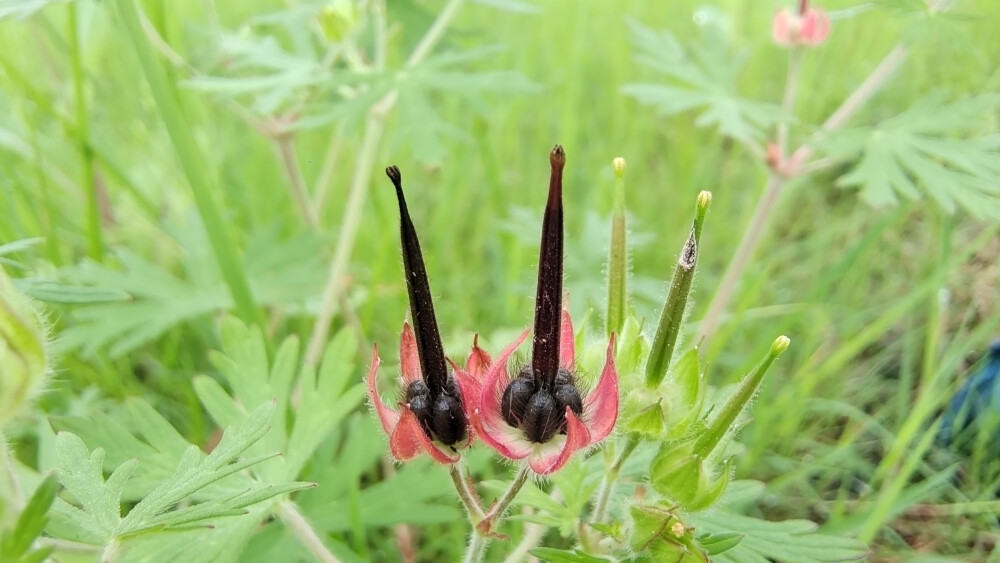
(22,350)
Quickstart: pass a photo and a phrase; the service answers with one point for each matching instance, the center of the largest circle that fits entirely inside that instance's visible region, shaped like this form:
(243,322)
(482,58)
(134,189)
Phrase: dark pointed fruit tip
(557,158)
(393,173)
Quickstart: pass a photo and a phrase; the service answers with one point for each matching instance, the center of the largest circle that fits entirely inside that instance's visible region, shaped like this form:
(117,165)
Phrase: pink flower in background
(808,26)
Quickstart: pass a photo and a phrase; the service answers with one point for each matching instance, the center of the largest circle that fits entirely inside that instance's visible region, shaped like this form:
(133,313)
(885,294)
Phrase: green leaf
(932,149)
(564,556)
(702,78)
(714,544)
(421,127)
(327,397)
(82,473)
(763,541)
(137,301)
(232,506)
(417,493)
(221,543)
(19,245)
(54,292)
(15,544)
(195,472)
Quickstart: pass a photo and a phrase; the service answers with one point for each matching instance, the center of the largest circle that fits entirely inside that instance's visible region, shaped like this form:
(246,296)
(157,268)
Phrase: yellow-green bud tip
(781,344)
(704,200)
(618,165)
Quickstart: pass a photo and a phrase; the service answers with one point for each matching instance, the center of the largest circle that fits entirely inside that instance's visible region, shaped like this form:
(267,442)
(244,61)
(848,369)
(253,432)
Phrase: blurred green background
(290,118)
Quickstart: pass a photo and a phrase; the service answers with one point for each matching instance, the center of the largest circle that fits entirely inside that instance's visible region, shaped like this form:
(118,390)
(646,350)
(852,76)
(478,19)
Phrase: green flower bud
(22,350)
(645,413)
(686,393)
(682,476)
(338,19)
(632,346)
(618,165)
(779,346)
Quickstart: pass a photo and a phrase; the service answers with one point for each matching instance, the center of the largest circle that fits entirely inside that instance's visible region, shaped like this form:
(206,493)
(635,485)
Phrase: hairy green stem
(788,99)
(533,534)
(477,548)
(325,178)
(668,329)
(285,143)
(608,484)
(434,33)
(731,409)
(484,528)
(465,492)
(358,192)
(289,513)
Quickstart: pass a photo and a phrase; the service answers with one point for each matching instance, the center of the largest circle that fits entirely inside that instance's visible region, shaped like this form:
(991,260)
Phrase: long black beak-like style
(435,399)
(548,298)
(425,328)
(537,398)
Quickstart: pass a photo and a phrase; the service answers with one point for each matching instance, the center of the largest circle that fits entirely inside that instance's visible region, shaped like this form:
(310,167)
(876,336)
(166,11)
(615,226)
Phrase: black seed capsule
(448,419)
(542,418)
(515,400)
(418,397)
(568,396)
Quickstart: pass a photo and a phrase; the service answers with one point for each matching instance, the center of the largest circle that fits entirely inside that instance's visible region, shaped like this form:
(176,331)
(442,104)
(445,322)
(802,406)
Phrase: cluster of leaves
(937,147)
(234,502)
(121,306)
(171,485)
(703,78)
(17,543)
(336,71)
